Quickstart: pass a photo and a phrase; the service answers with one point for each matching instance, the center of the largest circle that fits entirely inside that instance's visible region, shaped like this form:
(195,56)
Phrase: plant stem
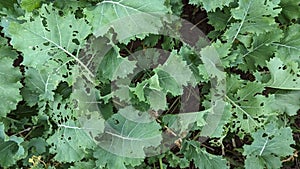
(160,163)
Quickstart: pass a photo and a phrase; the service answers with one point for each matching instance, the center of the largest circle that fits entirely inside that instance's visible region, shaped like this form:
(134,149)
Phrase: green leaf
(71,139)
(201,158)
(202,72)
(38,144)
(139,90)
(83,165)
(283,75)
(113,66)
(181,123)
(287,102)
(106,159)
(261,50)
(154,82)
(9,86)
(288,47)
(39,86)
(290,11)
(154,90)
(178,69)
(176,161)
(68,5)
(128,18)
(170,77)
(92,123)
(83,84)
(149,58)
(30,5)
(268,146)
(193,60)
(41,82)
(168,83)
(254,17)
(86,97)
(6,51)
(175,6)
(10,9)
(157,100)
(9,79)
(211,5)
(249,107)
(70,136)
(267,161)
(61,111)
(211,60)
(217,117)
(169,43)
(11,149)
(129,132)
(223,50)
(48,35)
(219,19)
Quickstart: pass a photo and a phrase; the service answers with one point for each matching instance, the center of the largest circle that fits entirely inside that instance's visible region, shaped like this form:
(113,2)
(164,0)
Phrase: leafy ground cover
(125,84)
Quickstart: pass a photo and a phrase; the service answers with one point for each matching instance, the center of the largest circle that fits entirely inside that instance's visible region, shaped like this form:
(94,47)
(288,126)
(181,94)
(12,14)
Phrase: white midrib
(242,110)
(242,23)
(64,50)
